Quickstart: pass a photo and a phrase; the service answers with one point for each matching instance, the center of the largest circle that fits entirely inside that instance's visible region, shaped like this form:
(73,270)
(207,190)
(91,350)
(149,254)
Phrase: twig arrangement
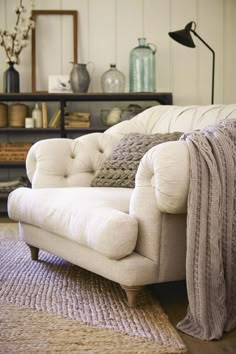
(14,42)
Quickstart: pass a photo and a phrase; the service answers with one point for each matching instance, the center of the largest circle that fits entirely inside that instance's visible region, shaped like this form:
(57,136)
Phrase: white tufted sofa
(131,236)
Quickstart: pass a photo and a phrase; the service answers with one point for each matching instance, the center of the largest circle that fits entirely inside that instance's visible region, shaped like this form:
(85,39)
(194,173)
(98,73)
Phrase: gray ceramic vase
(79,78)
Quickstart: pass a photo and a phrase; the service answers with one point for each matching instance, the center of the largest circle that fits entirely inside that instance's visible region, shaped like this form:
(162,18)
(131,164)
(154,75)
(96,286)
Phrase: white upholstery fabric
(146,226)
(163,119)
(70,163)
(67,162)
(93,217)
(131,270)
(166,166)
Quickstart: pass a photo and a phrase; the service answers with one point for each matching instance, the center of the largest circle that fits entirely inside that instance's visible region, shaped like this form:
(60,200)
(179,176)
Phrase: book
(76,124)
(82,117)
(44,115)
(55,120)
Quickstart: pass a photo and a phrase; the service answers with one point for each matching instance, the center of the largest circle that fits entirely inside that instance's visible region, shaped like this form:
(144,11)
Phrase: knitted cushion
(120,168)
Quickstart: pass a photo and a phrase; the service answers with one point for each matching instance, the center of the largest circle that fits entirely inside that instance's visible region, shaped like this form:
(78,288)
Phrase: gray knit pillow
(120,168)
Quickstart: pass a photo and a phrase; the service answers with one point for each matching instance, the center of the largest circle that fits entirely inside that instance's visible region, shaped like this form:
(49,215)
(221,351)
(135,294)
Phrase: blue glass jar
(142,67)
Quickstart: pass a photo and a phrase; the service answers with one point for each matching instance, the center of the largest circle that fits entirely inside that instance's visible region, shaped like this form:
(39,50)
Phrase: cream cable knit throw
(211,232)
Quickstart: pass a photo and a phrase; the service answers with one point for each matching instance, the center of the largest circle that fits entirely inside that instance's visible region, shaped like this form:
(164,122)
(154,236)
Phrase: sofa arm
(68,162)
(166,168)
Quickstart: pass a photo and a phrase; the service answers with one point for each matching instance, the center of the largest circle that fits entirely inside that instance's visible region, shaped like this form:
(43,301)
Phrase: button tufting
(72,156)
(65,176)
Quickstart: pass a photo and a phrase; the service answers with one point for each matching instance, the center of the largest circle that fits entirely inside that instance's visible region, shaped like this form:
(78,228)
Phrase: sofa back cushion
(74,162)
(168,119)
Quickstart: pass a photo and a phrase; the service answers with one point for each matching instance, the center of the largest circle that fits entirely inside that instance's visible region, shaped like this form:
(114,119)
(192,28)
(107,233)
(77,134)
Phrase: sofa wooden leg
(34,252)
(132,294)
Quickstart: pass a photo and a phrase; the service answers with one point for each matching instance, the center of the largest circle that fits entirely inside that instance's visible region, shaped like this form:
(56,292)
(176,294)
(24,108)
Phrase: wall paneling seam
(170,51)
(224,51)
(6,25)
(197,60)
(143,16)
(61,41)
(88,29)
(116,30)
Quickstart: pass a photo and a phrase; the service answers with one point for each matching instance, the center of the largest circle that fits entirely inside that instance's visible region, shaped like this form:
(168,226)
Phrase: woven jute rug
(53,306)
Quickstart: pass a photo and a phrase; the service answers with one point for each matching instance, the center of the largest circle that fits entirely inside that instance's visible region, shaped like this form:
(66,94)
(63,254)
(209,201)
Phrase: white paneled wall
(109,29)
(183,62)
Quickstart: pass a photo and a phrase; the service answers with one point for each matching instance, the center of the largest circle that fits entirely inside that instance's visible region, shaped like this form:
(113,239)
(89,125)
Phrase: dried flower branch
(13,42)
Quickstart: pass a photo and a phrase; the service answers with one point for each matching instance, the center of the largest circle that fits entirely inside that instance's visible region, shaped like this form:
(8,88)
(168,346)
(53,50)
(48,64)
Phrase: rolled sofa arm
(68,162)
(166,168)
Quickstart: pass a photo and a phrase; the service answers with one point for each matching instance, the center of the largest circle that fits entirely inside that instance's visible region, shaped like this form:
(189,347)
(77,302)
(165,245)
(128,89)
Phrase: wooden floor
(173,298)
(5,219)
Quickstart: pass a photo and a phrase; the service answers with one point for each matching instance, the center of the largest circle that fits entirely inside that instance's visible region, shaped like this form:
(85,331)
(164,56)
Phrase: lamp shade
(183,36)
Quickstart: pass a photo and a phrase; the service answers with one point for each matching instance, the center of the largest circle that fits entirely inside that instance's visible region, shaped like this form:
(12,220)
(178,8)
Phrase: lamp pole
(213,64)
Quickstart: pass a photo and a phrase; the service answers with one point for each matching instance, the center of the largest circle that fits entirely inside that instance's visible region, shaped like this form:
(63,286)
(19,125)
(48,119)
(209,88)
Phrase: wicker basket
(14,151)
(17,114)
(3,115)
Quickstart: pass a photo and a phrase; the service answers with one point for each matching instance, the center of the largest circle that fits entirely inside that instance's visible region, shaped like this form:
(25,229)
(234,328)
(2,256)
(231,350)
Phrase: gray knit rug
(55,286)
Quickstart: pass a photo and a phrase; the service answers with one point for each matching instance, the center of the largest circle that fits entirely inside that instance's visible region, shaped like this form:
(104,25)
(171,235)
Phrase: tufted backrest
(167,119)
(73,162)
(68,162)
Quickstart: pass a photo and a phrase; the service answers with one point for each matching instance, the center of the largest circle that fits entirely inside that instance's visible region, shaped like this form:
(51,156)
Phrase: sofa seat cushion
(94,217)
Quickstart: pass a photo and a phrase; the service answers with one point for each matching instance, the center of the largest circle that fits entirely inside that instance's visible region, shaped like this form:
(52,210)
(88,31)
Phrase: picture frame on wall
(54,45)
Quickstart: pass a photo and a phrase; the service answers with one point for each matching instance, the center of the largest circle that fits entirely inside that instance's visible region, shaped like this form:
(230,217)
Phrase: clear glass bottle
(113,80)
(142,67)
(37,116)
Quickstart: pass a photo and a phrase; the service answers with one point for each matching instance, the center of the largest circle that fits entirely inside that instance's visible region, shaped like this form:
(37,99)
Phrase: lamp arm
(213,64)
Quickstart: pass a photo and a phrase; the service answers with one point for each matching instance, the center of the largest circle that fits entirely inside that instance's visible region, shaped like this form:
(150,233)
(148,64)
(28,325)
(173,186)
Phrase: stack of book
(77,120)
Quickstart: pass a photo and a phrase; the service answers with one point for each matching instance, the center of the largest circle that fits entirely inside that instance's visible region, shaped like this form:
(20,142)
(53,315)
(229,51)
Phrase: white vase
(37,116)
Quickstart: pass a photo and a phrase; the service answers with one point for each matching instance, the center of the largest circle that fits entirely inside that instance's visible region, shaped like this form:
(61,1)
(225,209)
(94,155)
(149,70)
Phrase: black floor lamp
(184,37)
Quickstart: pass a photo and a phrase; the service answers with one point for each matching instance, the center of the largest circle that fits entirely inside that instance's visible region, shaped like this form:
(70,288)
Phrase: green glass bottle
(142,67)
